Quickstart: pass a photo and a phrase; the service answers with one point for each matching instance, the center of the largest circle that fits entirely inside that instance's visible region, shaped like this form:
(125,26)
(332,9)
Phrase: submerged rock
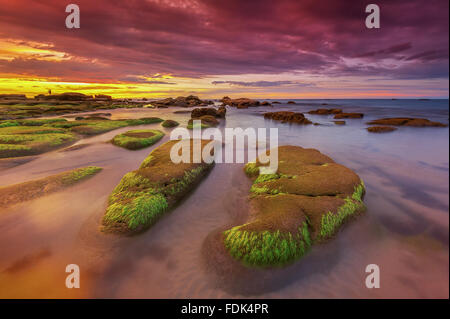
(406,121)
(305,202)
(18,193)
(339,122)
(381,129)
(145,194)
(137,139)
(206,121)
(325,111)
(32,137)
(289,117)
(349,116)
(169,123)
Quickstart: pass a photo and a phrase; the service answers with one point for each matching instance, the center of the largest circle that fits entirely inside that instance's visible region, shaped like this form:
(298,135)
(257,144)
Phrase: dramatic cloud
(261,83)
(127,40)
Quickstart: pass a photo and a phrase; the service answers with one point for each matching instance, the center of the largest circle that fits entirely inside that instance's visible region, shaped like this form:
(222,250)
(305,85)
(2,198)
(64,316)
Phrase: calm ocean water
(405,230)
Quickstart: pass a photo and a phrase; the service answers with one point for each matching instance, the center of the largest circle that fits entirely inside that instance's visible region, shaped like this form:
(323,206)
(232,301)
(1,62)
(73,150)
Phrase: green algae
(169,123)
(287,217)
(36,136)
(331,223)
(137,139)
(274,248)
(79,174)
(144,195)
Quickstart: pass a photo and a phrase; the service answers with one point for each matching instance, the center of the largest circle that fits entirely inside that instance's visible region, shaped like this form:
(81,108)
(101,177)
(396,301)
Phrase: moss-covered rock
(14,194)
(303,203)
(137,139)
(31,140)
(205,122)
(169,123)
(145,194)
(32,137)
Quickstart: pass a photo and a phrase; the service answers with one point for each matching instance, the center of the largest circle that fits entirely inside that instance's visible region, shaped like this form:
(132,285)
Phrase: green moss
(330,222)
(137,139)
(80,174)
(191,126)
(143,210)
(169,123)
(267,248)
(8,123)
(142,196)
(251,169)
(13,147)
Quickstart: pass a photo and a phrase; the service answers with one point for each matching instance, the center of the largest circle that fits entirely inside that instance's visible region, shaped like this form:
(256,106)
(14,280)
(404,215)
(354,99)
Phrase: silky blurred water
(404,231)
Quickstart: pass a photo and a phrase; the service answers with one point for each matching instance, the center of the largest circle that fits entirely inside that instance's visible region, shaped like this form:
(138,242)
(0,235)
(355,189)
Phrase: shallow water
(404,231)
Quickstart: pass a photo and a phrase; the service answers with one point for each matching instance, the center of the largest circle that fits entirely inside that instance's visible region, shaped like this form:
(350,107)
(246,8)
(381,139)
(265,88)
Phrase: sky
(211,48)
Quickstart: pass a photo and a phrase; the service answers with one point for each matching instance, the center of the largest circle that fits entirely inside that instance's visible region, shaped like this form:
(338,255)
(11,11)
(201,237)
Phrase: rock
(147,193)
(13,97)
(406,121)
(199,112)
(325,111)
(240,103)
(265,103)
(206,121)
(291,102)
(290,117)
(19,193)
(381,129)
(68,96)
(33,137)
(169,123)
(221,111)
(276,102)
(339,122)
(102,97)
(137,139)
(181,101)
(304,203)
(349,116)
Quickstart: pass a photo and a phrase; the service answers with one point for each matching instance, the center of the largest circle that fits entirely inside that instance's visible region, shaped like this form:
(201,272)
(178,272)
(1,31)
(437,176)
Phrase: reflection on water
(405,230)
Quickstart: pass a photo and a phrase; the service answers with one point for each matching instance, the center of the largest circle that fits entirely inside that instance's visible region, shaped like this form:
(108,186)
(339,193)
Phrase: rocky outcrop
(291,102)
(287,117)
(169,123)
(206,121)
(240,103)
(19,193)
(137,139)
(147,193)
(349,116)
(13,97)
(69,96)
(181,101)
(406,121)
(304,203)
(325,111)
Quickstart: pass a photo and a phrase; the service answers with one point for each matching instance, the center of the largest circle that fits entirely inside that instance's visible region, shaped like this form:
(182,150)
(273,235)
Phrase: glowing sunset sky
(212,48)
